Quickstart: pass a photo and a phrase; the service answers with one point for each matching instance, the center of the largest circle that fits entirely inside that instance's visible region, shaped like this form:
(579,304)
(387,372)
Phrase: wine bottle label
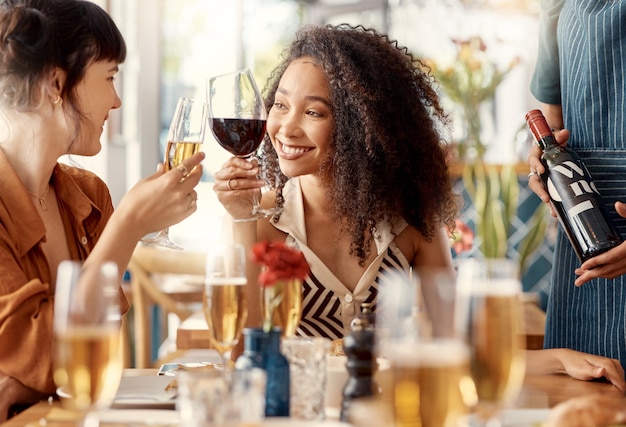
(573,179)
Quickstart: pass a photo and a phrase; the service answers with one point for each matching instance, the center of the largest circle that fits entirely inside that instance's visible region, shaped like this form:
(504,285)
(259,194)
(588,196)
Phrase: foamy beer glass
(87,322)
(429,358)
(489,291)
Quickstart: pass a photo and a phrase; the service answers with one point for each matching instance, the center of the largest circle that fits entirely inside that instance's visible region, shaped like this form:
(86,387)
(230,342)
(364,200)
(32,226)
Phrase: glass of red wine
(237,118)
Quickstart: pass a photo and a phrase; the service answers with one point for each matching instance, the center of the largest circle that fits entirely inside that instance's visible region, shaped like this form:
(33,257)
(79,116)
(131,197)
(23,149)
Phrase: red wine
(573,194)
(240,137)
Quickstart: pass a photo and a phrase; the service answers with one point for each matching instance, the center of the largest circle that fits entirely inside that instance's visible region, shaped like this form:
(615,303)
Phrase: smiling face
(96,96)
(300,122)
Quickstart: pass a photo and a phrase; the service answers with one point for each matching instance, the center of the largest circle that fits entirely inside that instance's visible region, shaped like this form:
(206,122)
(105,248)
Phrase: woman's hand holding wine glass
(237,194)
(237,116)
(161,199)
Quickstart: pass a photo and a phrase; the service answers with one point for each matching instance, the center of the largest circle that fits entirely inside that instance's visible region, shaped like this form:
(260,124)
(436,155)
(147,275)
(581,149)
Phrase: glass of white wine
(491,292)
(87,335)
(225,302)
(185,138)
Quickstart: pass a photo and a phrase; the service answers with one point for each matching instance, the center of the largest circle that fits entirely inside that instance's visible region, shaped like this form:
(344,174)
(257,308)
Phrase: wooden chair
(146,266)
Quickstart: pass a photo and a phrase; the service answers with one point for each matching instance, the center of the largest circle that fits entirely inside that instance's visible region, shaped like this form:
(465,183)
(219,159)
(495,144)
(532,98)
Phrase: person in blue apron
(580,81)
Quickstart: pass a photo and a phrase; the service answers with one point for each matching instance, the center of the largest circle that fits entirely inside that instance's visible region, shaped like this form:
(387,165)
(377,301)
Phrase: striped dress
(582,65)
(328,305)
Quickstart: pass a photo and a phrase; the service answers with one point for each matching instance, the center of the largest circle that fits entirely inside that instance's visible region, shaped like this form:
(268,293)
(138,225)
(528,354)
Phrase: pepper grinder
(358,347)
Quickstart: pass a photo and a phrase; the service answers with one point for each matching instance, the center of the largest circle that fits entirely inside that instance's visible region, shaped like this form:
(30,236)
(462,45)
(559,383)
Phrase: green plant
(494,191)
(470,81)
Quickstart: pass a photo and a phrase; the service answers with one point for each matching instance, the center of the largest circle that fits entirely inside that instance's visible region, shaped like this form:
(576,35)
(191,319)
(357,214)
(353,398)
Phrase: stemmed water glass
(490,294)
(87,336)
(185,138)
(225,303)
(237,116)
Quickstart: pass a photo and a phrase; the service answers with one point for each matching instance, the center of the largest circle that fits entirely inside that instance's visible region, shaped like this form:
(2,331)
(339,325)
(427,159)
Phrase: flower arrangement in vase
(283,270)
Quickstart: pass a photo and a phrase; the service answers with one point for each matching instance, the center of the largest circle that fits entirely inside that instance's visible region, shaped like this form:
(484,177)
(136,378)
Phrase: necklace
(42,198)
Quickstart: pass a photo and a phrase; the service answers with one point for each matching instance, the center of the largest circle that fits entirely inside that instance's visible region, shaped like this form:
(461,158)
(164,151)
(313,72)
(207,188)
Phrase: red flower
(462,239)
(280,262)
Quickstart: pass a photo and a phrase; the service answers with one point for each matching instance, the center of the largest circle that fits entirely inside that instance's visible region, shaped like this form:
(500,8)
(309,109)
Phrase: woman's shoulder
(409,240)
(422,250)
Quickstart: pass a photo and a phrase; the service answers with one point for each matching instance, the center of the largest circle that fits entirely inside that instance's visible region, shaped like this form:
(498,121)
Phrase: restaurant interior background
(174,45)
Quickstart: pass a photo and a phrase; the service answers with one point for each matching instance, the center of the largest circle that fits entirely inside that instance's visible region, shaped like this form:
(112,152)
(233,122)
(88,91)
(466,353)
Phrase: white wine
(226,311)
(88,365)
(289,311)
(177,152)
(497,359)
(432,384)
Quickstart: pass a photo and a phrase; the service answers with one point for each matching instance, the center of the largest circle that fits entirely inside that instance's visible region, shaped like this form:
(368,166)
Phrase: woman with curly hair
(354,132)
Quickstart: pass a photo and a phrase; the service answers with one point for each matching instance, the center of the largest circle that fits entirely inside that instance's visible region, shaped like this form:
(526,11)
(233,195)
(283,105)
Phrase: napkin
(144,392)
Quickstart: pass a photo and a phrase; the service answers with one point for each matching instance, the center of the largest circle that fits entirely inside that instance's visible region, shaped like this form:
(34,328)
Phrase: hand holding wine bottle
(573,194)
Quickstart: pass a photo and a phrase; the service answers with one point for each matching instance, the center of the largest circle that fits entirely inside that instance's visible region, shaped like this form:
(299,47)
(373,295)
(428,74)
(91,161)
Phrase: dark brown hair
(388,156)
(38,35)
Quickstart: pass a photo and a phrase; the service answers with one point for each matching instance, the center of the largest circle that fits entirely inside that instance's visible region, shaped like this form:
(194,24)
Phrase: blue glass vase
(262,350)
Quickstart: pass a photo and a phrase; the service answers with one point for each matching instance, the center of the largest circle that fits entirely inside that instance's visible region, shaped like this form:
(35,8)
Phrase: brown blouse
(26,300)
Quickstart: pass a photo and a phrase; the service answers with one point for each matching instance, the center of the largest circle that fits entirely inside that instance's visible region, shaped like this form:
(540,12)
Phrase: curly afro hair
(388,158)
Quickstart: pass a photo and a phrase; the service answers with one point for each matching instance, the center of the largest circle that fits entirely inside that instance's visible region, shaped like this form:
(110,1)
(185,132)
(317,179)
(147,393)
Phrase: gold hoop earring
(58,100)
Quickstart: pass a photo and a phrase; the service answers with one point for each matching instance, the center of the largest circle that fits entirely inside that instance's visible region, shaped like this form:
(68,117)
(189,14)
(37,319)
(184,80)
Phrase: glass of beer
(87,335)
(432,386)
(490,291)
(225,303)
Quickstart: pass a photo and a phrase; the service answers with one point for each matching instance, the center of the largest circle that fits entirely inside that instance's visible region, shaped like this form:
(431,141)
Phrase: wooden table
(537,392)
(32,416)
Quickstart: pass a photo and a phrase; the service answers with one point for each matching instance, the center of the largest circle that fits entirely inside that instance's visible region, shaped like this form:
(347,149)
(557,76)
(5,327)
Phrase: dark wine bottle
(573,194)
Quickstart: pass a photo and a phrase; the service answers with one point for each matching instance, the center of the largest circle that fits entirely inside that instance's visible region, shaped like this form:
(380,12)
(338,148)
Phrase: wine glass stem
(256,198)
(226,362)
